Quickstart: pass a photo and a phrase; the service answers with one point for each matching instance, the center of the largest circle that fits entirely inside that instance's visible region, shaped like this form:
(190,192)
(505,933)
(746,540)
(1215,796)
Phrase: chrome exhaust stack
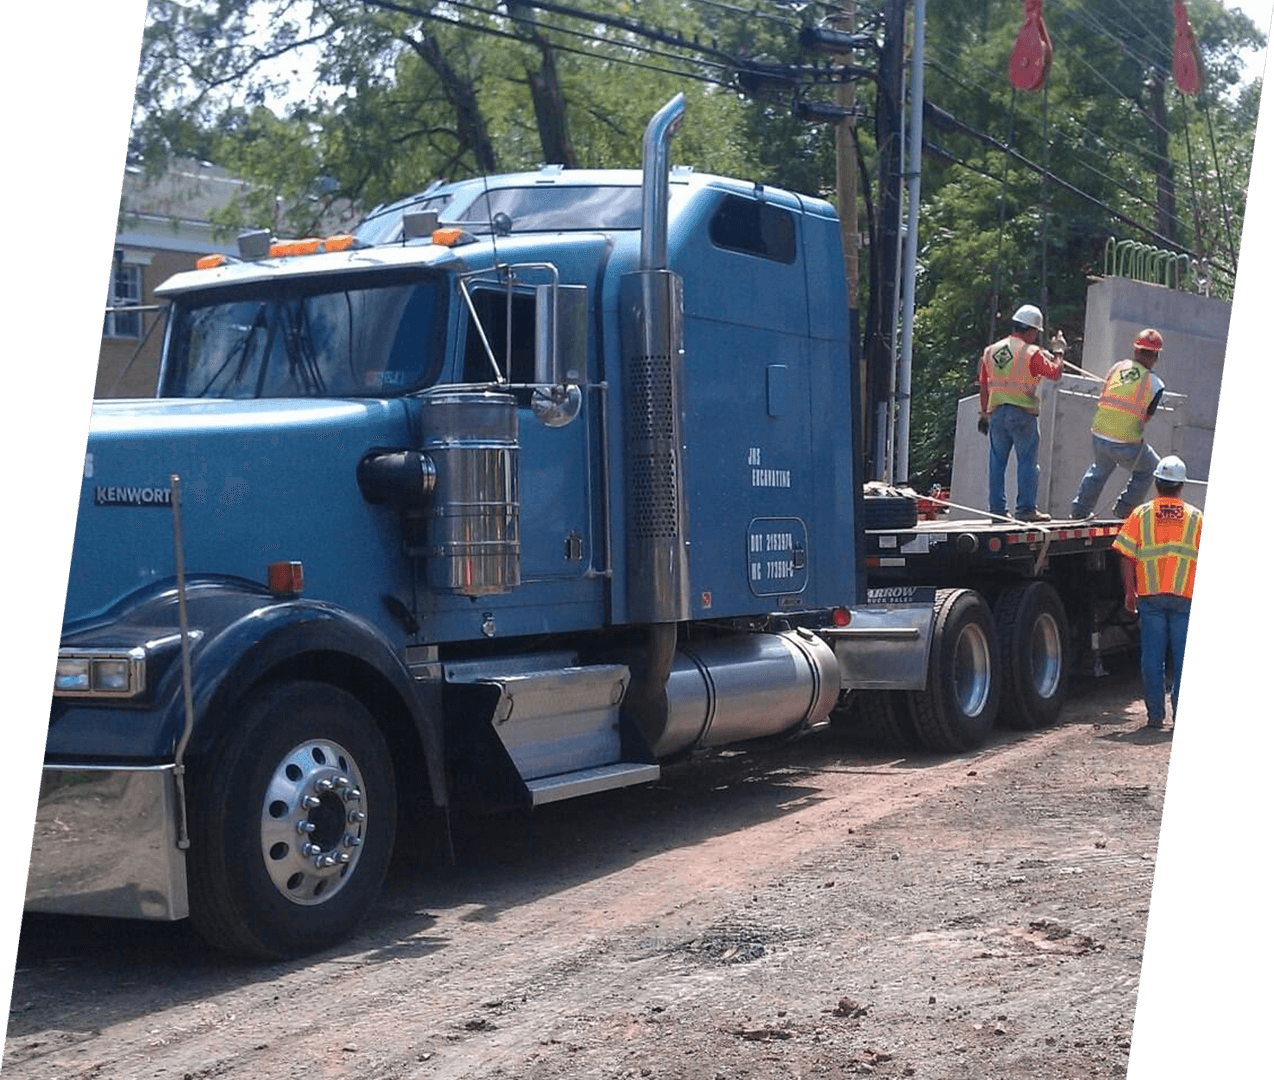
(657,575)
(657,585)
(656,580)
(654,182)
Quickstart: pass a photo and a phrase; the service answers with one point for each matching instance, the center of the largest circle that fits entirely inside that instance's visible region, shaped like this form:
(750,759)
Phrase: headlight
(113,673)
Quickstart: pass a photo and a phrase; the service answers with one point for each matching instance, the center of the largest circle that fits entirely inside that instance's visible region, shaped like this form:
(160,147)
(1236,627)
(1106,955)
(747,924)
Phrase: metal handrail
(1158,266)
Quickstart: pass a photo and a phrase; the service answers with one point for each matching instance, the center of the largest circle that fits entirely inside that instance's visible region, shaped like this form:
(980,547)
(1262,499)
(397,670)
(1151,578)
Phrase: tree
(1119,145)
(406,92)
(1020,196)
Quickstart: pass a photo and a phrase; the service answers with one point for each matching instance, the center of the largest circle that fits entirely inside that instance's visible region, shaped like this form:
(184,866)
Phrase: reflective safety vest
(1009,379)
(1121,412)
(1163,537)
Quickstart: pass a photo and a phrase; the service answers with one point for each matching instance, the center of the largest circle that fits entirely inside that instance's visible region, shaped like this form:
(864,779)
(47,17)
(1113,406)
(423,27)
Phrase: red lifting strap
(1033,53)
(1187,61)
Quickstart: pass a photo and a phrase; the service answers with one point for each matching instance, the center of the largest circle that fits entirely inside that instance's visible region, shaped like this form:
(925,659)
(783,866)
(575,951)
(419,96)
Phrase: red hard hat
(1148,339)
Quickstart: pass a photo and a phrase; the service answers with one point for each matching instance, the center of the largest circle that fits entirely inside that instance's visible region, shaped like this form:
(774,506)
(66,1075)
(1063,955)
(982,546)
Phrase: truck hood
(261,481)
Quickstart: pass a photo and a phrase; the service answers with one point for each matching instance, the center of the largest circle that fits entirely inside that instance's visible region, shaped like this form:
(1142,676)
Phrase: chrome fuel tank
(733,689)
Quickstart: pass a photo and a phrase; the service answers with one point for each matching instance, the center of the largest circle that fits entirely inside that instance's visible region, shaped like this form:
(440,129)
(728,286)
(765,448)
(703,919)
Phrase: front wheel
(292,822)
(956,709)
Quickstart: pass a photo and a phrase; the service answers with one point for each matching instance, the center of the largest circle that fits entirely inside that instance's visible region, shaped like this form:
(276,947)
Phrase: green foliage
(316,102)
(1110,125)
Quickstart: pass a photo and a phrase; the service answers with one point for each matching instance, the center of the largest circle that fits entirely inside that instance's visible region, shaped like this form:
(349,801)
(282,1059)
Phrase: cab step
(589,781)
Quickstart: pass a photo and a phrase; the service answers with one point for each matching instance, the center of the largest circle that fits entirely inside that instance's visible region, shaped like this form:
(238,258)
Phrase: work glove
(984,425)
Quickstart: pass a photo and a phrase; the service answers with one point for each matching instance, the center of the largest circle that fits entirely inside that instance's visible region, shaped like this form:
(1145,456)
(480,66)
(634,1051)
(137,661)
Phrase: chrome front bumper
(105,844)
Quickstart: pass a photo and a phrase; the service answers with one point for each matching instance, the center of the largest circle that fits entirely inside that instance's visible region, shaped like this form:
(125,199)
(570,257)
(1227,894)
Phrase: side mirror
(561,335)
(561,352)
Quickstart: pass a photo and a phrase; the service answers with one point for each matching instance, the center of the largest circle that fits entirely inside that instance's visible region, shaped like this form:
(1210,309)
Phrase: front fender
(241,635)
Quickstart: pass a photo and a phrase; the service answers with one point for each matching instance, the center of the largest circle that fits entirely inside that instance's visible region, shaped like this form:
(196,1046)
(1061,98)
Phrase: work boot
(1034,515)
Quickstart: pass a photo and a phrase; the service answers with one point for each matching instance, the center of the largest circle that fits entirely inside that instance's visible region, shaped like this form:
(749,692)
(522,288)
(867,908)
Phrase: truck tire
(889,511)
(1030,623)
(879,718)
(292,821)
(956,710)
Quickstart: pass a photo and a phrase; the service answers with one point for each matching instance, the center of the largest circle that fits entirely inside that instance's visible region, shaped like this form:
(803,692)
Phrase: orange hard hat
(1148,339)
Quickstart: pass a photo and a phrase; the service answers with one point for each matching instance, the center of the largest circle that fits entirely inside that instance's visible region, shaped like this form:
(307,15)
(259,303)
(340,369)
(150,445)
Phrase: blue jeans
(1012,428)
(1164,620)
(1139,459)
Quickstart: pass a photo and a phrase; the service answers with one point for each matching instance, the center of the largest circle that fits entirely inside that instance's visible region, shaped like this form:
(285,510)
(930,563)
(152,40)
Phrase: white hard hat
(1029,315)
(1171,470)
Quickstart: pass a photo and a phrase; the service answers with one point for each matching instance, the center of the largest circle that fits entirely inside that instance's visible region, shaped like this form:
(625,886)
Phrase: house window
(126,289)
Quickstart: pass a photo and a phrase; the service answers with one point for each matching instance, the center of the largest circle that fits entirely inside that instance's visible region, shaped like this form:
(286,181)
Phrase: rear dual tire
(956,711)
(1031,626)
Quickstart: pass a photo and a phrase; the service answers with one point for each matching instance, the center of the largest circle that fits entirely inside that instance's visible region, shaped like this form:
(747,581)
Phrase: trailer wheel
(957,708)
(1031,625)
(292,820)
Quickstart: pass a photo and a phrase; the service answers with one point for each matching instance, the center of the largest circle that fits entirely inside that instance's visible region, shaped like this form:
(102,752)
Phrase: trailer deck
(937,547)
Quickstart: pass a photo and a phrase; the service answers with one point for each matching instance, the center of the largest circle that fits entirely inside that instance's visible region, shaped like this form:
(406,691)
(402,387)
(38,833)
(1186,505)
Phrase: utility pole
(847,201)
(901,459)
(887,254)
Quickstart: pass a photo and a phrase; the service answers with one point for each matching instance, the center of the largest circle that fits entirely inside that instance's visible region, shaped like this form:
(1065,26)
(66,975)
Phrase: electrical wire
(1120,36)
(1089,132)
(1079,144)
(715,66)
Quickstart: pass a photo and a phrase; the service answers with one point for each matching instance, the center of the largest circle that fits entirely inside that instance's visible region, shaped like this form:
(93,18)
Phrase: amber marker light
(338,243)
(210,262)
(447,237)
(285,578)
(307,246)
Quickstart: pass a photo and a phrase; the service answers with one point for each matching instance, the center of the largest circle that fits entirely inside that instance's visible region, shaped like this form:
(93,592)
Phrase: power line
(987,94)
(1079,148)
(1087,132)
(946,120)
(1120,36)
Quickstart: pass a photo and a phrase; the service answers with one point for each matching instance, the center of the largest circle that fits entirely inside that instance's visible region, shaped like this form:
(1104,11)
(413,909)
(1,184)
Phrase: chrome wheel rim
(971,670)
(1046,656)
(313,822)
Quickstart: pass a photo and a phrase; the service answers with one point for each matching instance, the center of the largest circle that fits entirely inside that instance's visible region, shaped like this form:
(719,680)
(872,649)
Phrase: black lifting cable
(1044,204)
(1220,181)
(999,248)
(1194,182)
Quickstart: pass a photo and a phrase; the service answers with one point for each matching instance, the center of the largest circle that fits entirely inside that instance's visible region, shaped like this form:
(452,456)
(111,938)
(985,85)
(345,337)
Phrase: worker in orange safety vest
(1160,544)
(1128,399)
(1008,375)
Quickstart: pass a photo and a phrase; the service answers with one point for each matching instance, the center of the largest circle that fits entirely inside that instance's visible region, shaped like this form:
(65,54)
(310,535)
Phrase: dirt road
(819,909)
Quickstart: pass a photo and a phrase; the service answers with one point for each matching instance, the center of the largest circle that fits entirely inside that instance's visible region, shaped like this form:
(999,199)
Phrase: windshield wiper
(239,350)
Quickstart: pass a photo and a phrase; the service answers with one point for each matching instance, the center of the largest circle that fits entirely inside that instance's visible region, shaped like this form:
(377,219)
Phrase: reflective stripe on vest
(1121,412)
(1167,536)
(1009,379)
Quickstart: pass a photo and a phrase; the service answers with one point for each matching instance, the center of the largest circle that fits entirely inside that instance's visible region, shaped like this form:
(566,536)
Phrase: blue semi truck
(534,484)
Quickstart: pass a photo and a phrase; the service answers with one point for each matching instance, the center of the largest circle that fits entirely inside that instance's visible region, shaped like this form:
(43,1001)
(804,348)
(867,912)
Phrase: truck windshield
(356,335)
(528,209)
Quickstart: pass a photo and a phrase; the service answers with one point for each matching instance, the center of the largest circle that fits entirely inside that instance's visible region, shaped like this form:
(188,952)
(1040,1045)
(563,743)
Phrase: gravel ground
(814,909)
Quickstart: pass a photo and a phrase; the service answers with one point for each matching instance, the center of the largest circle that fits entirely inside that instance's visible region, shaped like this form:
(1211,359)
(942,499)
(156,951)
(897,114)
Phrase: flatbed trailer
(1056,600)
(953,551)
